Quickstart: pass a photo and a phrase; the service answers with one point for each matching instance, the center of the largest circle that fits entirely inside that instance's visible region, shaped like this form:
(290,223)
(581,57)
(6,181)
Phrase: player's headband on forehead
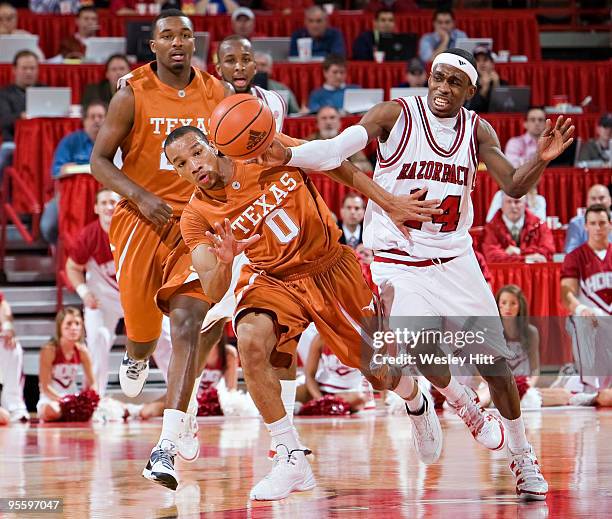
(446,58)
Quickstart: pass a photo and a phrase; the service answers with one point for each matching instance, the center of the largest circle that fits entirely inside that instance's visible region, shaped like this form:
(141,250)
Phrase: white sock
(172,425)
(288,389)
(283,433)
(515,430)
(405,388)
(454,392)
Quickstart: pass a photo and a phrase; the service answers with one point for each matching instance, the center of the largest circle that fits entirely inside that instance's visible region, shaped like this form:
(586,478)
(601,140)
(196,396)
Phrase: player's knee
(252,350)
(185,330)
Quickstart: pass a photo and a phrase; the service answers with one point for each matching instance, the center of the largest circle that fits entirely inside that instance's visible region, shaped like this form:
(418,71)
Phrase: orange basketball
(242,126)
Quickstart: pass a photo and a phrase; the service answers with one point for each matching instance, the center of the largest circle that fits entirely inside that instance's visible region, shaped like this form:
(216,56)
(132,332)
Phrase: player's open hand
(225,246)
(555,140)
(276,155)
(412,208)
(154,209)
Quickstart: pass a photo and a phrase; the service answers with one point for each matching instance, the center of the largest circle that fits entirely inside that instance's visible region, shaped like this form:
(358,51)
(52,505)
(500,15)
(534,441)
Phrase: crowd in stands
(516,229)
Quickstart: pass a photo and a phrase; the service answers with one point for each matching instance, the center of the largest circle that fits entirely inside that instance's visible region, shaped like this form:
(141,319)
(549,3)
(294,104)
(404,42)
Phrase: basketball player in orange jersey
(153,264)
(236,65)
(433,142)
(298,273)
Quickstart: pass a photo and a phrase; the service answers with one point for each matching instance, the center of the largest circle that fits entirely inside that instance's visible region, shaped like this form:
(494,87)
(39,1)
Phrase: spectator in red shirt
(73,47)
(515,234)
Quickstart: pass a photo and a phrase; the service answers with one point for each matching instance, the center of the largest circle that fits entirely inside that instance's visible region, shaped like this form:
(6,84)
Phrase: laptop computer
(138,35)
(11,44)
(48,101)
(359,100)
(398,46)
(568,157)
(408,92)
(510,99)
(98,49)
(277,47)
(470,44)
(202,44)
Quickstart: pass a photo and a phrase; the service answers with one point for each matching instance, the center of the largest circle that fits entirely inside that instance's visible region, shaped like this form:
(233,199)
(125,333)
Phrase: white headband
(446,58)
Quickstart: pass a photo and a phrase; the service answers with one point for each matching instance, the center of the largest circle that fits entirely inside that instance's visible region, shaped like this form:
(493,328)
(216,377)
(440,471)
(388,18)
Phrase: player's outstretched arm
(398,208)
(516,182)
(213,261)
(116,128)
(326,154)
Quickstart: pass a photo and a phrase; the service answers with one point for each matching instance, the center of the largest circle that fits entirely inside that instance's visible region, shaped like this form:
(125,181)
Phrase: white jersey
(424,151)
(275,102)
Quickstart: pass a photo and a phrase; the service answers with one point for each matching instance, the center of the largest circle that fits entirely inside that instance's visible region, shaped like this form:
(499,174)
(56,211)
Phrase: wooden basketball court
(365,467)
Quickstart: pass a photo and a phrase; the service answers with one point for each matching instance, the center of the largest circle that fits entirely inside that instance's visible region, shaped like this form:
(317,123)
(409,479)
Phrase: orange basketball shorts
(153,265)
(333,295)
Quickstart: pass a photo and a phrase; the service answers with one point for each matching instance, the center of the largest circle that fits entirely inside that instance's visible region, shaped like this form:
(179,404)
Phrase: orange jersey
(280,204)
(159,109)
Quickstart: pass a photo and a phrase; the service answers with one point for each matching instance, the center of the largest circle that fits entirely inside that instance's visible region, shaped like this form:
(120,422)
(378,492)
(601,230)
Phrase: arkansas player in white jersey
(429,147)
(586,288)
(91,270)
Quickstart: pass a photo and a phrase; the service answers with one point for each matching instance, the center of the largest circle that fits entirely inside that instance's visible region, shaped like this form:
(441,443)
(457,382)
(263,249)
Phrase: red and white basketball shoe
(486,428)
(530,483)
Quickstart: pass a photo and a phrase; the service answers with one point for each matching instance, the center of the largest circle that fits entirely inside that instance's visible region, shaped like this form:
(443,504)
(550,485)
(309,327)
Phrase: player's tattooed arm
(399,208)
(516,182)
(116,128)
(213,262)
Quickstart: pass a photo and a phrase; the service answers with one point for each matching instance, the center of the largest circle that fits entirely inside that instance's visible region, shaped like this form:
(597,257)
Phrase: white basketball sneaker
(133,375)
(530,483)
(160,468)
(291,473)
(272,450)
(188,445)
(486,428)
(426,430)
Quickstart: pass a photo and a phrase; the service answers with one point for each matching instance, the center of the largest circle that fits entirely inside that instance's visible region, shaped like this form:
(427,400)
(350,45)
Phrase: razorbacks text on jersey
(424,151)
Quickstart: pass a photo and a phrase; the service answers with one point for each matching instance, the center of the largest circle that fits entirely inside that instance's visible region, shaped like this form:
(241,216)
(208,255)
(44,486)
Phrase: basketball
(242,127)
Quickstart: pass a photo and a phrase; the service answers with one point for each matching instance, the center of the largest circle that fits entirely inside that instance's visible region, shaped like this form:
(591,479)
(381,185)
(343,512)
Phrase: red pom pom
(327,405)
(208,402)
(522,385)
(80,406)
